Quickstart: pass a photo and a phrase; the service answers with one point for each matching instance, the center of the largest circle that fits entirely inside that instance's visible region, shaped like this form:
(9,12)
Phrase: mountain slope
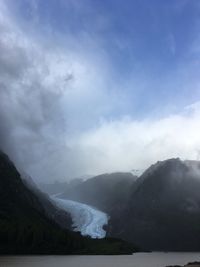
(107,192)
(25,227)
(51,210)
(164,208)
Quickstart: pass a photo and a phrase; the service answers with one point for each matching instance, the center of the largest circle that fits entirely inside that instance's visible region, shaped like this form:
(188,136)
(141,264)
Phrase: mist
(40,88)
(67,111)
(99,129)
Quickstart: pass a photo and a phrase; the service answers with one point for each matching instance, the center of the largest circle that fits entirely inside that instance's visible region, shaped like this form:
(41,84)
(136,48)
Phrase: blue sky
(109,80)
(152,41)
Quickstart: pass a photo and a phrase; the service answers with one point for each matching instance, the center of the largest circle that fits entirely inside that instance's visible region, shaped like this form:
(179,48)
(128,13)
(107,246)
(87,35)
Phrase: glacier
(86,219)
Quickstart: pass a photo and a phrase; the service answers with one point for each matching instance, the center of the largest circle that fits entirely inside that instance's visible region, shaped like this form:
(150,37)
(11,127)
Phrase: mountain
(160,210)
(107,192)
(26,228)
(163,211)
(58,215)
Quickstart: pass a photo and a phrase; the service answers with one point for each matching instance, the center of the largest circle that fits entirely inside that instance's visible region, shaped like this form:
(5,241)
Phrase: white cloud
(56,97)
(127,144)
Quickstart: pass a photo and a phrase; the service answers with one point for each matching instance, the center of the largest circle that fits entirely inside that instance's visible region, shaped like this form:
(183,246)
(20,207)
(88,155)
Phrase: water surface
(155,259)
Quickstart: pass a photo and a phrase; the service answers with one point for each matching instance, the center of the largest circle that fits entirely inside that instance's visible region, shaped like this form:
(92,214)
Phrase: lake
(155,259)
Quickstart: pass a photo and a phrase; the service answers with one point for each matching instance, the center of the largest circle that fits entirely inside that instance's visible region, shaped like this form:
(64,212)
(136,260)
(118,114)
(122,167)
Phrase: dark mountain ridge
(26,228)
(163,212)
(53,212)
(106,192)
(160,210)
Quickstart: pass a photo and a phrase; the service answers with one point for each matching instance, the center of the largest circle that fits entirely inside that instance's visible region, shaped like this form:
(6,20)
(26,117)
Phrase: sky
(95,86)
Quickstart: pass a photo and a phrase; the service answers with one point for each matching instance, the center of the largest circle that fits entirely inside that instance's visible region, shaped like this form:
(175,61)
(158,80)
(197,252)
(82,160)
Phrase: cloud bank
(127,144)
(47,93)
(65,113)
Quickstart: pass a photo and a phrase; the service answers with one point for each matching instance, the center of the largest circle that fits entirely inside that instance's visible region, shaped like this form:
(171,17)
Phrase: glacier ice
(86,219)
